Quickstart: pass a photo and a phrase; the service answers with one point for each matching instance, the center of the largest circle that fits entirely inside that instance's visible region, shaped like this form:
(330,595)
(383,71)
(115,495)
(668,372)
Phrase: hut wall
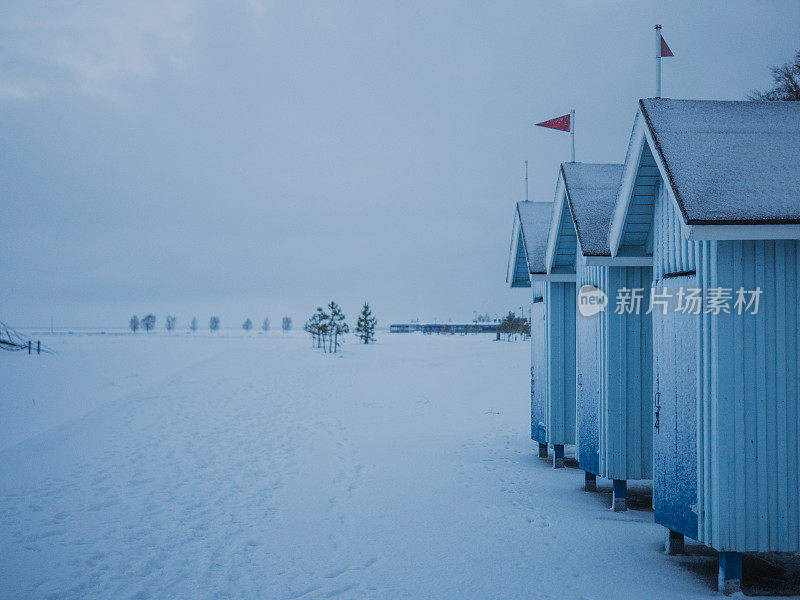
(588,361)
(538,365)
(560,319)
(672,252)
(749,489)
(626,399)
(676,339)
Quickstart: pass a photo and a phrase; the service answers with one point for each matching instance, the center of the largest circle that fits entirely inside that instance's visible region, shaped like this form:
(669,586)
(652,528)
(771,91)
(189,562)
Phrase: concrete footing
(730,573)
(542,450)
(619,497)
(589,482)
(673,543)
(558,456)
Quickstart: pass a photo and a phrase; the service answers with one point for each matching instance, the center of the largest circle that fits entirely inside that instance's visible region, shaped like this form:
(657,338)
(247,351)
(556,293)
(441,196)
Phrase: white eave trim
(743,232)
(512,256)
(555,222)
(629,172)
(553,277)
(619,261)
(640,136)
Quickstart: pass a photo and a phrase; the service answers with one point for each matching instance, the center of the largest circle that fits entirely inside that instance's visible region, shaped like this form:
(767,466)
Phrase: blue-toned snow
(260,468)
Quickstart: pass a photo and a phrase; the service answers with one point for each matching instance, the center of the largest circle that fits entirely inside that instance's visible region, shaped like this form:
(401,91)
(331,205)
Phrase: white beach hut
(711,192)
(613,349)
(526,260)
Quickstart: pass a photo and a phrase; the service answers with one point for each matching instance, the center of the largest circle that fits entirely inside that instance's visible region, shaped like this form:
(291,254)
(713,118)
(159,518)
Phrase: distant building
(444,327)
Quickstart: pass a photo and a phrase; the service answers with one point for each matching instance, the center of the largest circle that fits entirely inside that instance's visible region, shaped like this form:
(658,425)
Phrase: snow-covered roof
(535,220)
(528,242)
(728,162)
(591,191)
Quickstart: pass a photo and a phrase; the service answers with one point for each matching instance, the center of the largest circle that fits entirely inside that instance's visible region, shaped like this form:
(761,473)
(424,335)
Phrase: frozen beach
(167,466)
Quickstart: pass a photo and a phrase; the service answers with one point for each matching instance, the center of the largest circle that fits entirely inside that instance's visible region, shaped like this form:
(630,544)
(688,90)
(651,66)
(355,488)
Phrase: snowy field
(166,466)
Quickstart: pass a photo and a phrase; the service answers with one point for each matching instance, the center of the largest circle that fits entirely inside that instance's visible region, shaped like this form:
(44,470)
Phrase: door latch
(657,416)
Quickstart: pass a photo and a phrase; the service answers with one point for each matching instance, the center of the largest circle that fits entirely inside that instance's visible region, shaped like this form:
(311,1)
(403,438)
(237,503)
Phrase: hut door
(675,411)
(538,373)
(588,392)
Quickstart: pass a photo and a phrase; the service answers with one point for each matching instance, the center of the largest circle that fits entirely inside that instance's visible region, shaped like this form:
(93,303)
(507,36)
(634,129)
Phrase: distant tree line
(148,323)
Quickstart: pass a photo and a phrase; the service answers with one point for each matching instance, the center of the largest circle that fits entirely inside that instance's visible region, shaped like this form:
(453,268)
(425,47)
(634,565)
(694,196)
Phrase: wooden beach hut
(711,192)
(613,349)
(559,305)
(526,261)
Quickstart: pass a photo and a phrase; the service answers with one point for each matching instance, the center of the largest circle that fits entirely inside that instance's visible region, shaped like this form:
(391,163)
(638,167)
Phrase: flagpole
(658,61)
(572,131)
(526,181)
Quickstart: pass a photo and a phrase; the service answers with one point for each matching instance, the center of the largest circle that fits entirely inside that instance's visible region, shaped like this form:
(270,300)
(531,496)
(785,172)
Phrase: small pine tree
(170,323)
(512,325)
(247,325)
(265,325)
(149,322)
(134,324)
(312,328)
(213,323)
(336,326)
(193,324)
(365,326)
(316,327)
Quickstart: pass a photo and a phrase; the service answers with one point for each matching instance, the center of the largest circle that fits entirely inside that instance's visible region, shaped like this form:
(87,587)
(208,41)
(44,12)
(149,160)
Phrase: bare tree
(286,324)
(786,82)
(213,323)
(134,324)
(170,324)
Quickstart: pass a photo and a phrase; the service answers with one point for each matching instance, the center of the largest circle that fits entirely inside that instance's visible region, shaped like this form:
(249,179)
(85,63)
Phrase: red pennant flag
(665,51)
(560,123)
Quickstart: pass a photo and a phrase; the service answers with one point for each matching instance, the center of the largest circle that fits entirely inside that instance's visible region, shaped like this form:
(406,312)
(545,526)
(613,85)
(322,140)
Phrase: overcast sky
(260,158)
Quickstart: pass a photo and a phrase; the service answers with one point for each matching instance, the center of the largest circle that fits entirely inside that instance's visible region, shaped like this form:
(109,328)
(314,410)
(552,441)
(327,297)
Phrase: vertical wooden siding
(672,252)
(538,366)
(560,307)
(749,451)
(675,337)
(626,439)
(588,361)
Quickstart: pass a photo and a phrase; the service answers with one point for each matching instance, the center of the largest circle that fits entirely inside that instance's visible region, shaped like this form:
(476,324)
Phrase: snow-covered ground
(255,467)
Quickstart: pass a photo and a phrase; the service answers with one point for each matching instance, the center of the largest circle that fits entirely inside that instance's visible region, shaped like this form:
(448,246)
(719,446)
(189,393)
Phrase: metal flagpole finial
(658,60)
(572,131)
(526,181)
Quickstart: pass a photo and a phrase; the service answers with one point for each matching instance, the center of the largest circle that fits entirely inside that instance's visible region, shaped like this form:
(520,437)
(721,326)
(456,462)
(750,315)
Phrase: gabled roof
(584,204)
(728,162)
(528,242)
(591,191)
(535,220)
